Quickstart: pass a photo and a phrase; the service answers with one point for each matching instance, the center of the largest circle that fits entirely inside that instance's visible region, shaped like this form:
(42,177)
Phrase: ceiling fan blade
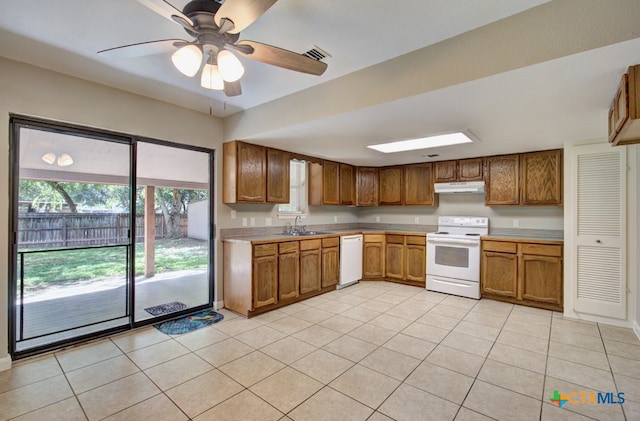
(279,57)
(167,10)
(144,48)
(242,12)
(232,88)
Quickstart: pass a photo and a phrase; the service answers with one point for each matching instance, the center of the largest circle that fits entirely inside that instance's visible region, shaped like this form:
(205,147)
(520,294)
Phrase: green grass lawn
(63,267)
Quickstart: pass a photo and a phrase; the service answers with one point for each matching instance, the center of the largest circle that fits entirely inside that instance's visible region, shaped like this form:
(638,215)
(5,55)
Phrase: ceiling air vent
(316,53)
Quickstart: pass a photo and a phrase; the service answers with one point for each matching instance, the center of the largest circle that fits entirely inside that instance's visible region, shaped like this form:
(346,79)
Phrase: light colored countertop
(276,238)
(527,236)
(523,239)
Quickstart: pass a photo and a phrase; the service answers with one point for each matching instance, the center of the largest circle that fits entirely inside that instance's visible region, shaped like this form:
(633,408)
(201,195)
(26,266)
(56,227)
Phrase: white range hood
(460,187)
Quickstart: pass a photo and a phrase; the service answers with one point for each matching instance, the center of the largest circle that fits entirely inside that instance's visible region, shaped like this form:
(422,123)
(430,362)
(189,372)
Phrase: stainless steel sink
(305,233)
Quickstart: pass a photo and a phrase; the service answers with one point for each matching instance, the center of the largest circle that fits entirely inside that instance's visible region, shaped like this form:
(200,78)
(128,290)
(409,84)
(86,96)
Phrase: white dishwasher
(350,260)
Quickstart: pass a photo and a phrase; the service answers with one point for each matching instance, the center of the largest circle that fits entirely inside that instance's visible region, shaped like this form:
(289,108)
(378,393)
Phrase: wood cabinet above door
(624,114)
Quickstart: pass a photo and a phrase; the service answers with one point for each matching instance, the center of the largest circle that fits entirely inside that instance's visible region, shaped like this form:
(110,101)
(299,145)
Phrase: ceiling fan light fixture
(65,160)
(49,158)
(211,78)
(231,68)
(187,60)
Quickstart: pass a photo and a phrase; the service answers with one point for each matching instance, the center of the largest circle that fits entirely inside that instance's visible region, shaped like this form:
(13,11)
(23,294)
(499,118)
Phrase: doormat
(189,323)
(165,308)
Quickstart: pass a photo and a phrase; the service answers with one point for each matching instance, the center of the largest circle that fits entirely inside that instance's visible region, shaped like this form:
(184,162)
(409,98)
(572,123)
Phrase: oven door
(454,258)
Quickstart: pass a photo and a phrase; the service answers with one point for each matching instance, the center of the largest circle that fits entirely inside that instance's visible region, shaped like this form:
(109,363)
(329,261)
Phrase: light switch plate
(335,219)
(244,222)
(416,220)
(233,214)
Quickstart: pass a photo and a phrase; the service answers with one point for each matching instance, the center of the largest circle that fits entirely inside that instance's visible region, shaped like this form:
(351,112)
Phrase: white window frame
(302,204)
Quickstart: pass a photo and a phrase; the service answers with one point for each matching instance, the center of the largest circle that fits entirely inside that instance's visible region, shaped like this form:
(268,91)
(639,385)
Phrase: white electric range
(453,255)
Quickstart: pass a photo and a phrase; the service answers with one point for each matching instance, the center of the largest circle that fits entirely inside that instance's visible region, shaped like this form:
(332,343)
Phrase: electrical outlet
(416,220)
(268,222)
(253,222)
(233,214)
(516,223)
(335,219)
(377,219)
(244,222)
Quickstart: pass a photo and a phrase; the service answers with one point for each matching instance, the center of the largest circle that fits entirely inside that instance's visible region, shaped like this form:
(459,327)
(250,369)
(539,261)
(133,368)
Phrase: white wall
(33,91)
(198,220)
(528,217)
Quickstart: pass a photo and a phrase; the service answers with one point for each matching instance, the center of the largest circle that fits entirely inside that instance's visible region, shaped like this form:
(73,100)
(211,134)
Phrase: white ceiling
(534,107)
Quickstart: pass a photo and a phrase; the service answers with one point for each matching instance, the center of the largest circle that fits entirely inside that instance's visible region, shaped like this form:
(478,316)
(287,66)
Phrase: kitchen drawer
(374,238)
(416,240)
(499,246)
(265,250)
(541,249)
(310,244)
(395,239)
(288,247)
(330,242)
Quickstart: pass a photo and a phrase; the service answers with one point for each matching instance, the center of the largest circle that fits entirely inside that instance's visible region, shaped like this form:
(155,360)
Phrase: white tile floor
(375,351)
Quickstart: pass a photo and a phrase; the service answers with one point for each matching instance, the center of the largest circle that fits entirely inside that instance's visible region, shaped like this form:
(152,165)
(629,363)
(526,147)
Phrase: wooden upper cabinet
(330,183)
(244,173)
(502,180)
(367,186)
(418,185)
(391,179)
(277,176)
(446,171)
(541,178)
(471,169)
(624,114)
(347,185)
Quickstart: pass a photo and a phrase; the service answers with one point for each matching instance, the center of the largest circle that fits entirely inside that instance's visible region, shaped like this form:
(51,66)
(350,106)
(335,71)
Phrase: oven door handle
(452,241)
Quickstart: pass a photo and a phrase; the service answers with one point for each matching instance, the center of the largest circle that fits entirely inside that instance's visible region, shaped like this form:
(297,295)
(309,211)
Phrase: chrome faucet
(295,224)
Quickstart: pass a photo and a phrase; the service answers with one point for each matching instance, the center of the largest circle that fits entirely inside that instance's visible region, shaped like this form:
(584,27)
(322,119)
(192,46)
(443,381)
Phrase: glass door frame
(16,122)
(211,240)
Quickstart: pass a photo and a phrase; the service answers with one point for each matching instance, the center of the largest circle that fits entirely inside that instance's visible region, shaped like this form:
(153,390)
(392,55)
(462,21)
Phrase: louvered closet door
(600,231)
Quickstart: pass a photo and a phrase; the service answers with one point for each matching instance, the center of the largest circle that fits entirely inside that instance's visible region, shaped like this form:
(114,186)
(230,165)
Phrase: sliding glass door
(110,232)
(72,224)
(172,236)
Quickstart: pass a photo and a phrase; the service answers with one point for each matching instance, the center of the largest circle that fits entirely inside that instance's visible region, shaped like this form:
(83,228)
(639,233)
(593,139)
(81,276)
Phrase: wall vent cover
(316,53)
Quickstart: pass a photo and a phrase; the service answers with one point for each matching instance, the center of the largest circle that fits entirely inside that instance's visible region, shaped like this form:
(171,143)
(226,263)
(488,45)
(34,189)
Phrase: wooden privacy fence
(40,230)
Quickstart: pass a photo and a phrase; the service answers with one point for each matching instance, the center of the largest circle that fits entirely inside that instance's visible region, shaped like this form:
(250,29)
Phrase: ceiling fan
(215,28)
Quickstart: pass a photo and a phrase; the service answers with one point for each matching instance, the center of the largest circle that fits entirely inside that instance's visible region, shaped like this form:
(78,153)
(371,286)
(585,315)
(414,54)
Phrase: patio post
(149,231)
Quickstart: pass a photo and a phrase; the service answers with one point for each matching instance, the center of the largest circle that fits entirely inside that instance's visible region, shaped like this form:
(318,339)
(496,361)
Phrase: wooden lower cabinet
(288,270)
(394,263)
(373,256)
(540,270)
(523,273)
(265,280)
(416,260)
(310,266)
(407,258)
(330,261)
